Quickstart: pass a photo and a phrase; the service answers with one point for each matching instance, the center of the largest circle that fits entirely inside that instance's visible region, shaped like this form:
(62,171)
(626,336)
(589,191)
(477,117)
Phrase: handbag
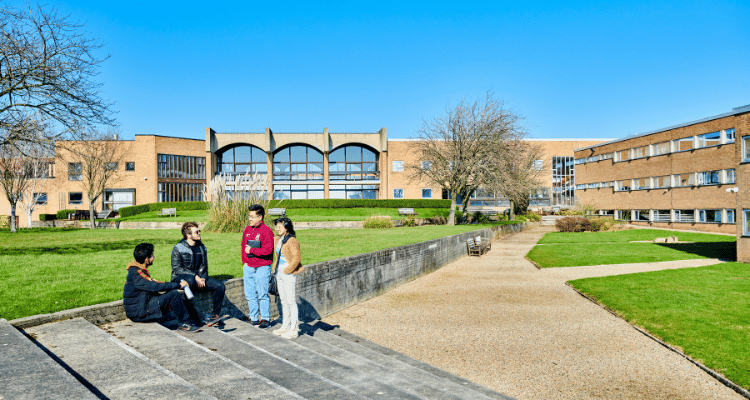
(273,287)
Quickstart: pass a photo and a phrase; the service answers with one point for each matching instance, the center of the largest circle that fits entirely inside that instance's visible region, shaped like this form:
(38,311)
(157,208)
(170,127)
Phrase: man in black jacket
(190,263)
(141,297)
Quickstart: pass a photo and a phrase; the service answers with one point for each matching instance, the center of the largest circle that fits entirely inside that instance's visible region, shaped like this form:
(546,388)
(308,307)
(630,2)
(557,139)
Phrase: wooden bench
(277,211)
(472,248)
(406,211)
(484,245)
(166,212)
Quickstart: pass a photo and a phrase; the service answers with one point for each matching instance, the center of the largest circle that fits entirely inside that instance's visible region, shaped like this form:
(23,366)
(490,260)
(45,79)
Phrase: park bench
(485,246)
(472,248)
(406,211)
(277,211)
(166,212)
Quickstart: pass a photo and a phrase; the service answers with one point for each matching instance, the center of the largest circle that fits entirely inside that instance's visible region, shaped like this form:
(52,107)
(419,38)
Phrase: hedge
(63,214)
(48,217)
(329,203)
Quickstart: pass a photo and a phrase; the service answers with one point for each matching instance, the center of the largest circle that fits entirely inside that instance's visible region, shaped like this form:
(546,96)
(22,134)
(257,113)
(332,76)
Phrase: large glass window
(730,216)
(745,148)
(355,163)
(642,215)
(297,192)
(114,199)
(729,135)
(684,180)
(40,198)
(684,215)
(709,139)
(426,193)
(709,215)
(684,144)
(398,166)
(642,183)
(563,181)
(75,172)
(623,185)
(241,159)
(661,181)
(173,166)
(662,216)
(75,198)
(709,178)
(353,192)
(746,227)
(298,163)
(398,193)
(661,148)
(730,177)
(177,191)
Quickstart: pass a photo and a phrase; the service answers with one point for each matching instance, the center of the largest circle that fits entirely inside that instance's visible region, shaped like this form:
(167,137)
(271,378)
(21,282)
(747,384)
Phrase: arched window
(298,163)
(353,163)
(241,159)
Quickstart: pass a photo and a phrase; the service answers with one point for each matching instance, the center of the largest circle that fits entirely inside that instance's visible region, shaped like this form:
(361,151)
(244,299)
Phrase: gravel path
(499,321)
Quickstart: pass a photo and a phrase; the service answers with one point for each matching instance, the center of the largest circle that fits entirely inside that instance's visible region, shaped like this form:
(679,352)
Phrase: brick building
(689,176)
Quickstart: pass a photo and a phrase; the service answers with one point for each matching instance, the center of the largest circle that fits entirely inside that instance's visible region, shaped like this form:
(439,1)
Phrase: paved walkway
(499,321)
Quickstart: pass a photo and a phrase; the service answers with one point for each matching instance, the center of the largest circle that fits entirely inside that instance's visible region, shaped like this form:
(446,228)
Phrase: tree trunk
(511,214)
(13,218)
(452,214)
(92,214)
(29,218)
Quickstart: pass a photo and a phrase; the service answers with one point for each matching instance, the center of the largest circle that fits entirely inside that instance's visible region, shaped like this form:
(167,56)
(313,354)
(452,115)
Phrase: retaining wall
(323,288)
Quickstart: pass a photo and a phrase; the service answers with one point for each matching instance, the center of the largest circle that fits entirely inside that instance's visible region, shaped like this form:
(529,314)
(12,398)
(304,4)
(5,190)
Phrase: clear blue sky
(597,69)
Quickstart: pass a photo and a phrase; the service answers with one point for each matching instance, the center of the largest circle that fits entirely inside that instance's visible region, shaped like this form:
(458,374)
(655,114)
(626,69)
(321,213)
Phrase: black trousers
(213,285)
(172,301)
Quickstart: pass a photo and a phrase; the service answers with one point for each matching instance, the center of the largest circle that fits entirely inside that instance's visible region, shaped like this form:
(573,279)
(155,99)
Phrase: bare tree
(98,160)
(46,67)
(515,173)
(458,150)
(24,165)
(39,160)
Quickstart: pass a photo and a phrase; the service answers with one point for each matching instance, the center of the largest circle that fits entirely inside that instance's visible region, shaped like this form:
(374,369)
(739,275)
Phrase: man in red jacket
(257,254)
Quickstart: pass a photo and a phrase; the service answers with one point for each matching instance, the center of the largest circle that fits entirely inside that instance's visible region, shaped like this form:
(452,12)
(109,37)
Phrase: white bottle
(188,292)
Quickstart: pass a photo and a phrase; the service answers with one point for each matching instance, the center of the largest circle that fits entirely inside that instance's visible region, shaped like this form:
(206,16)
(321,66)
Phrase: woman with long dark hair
(288,257)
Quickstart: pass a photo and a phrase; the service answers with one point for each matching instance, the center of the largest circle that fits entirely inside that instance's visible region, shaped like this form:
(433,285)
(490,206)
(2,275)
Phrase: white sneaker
(289,334)
(280,331)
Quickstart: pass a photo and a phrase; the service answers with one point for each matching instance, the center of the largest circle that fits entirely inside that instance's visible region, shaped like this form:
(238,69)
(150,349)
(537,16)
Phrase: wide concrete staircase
(75,359)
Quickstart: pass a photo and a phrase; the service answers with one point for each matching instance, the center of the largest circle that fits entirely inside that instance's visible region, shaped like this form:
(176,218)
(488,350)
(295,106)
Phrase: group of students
(146,299)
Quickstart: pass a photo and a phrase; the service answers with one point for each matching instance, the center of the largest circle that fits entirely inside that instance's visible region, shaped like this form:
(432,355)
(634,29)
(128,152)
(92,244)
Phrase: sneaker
(251,322)
(289,334)
(264,324)
(186,327)
(280,331)
(215,319)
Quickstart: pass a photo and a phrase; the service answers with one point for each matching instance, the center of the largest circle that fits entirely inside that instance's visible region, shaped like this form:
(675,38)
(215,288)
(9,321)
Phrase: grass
(298,214)
(703,311)
(562,249)
(48,270)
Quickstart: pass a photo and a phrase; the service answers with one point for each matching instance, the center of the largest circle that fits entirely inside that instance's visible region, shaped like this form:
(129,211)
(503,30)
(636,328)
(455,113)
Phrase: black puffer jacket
(138,292)
(182,260)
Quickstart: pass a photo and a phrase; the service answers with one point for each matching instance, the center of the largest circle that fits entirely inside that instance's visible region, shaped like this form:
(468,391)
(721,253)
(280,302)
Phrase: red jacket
(264,254)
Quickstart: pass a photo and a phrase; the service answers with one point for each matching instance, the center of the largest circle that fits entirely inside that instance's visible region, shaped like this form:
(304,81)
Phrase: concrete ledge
(323,288)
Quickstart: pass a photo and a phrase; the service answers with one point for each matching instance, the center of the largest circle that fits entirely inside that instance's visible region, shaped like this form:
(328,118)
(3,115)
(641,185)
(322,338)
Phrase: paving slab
(116,370)
(199,365)
(275,368)
(361,381)
(323,338)
(27,372)
(499,321)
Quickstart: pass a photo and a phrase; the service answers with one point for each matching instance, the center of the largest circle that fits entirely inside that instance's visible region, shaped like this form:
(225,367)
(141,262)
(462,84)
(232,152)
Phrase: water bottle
(188,292)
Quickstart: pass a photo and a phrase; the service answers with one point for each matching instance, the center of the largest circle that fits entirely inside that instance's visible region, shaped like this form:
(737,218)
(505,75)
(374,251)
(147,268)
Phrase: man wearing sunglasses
(190,263)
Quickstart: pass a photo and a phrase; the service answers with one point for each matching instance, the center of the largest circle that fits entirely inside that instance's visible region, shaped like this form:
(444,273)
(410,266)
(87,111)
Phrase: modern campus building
(689,176)
(321,165)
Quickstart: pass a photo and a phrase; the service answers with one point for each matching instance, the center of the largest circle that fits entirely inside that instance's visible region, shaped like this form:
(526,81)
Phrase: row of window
(399,193)
(719,216)
(177,191)
(316,192)
(671,146)
(75,169)
(172,166)
(717,177)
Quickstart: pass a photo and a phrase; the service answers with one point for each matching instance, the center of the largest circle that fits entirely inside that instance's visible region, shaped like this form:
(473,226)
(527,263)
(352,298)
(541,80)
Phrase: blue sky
(573,70)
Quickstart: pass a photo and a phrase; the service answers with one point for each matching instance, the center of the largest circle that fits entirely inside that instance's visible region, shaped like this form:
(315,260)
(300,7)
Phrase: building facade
(690,176)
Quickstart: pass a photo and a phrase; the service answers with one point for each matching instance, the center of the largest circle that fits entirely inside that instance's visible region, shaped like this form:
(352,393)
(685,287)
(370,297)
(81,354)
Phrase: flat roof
(735,111)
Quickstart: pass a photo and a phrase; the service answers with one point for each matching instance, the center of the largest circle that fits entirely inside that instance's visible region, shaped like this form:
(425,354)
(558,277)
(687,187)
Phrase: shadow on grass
(83,248)
(722,250)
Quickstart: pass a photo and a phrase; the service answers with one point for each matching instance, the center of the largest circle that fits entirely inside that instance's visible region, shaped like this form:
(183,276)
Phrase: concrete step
(274,367)
(390,370)
(23,365)
(199,365)
(364,383)
(362,343)
(108,367)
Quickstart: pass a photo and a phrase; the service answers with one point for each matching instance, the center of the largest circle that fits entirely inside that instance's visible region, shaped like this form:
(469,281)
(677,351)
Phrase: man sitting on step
(141,297)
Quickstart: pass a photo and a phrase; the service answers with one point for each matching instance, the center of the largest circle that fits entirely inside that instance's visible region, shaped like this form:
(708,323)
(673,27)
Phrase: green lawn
(703,311)
(48,270)
(562,249)
(300,214)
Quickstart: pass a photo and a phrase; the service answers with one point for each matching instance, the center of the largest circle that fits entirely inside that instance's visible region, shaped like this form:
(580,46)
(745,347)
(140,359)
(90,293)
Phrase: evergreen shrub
(47,217)
(63,214)
(409,221)
(573,224)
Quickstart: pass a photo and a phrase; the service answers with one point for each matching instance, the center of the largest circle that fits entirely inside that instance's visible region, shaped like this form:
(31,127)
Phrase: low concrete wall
(323,288)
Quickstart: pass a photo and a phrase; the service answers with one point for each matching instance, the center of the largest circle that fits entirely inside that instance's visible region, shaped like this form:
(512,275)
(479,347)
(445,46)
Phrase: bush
(47,217)
(179,205)
(438,220)
(4,221)
(133,210)
(602,224)
(573,224)
(378,222)
(358,203)
(532,216)
(63,214)
(479,218)
(409,221)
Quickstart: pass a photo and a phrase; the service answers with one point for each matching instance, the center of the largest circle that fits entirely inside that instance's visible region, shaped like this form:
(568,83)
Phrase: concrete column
(383,193)
(326,150)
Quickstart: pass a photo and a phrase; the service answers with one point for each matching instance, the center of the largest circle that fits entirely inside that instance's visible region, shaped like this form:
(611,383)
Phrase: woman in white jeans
(288,256)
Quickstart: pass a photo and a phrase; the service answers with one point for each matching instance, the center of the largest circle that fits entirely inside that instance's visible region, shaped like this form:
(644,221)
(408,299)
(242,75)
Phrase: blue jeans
(256,291)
